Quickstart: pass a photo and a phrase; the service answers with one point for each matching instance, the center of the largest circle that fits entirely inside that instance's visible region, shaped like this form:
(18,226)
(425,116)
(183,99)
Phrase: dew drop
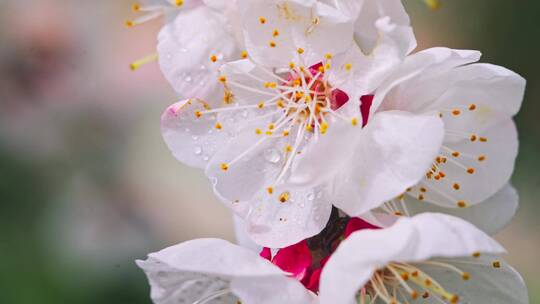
(310,196)
(272,156)
(188,79)
(197,150)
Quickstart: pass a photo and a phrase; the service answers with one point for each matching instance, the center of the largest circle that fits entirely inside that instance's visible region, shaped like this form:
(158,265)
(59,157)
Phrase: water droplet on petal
(188,79)
(197,150)
(310,196)
(272,155)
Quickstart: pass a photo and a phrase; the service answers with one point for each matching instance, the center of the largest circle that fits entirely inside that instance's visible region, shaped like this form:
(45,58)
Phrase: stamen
(143,61)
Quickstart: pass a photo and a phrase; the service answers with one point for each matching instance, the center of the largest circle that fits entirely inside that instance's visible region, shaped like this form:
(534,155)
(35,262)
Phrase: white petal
(189,271)
(391,154)
(487,284)
(192,140)
(366,34)
(259,163)
(242,237)
(430,61)
(276,224)
(491,215)
(409,240)
(272,290)
(186,46)
(489,175)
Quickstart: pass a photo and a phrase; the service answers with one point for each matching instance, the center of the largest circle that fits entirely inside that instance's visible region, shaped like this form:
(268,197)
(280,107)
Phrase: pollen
(179,2)
(472,107)
(136,7)
(292,65)
(288,149)
(258,131)
(260,105)
(456,186)
(300,51)
(270,190)
(224,167)
(284,197)
(423,190)
(222,79)
(462,204)
(414,294)
(198,114)
(421,197)
(272,44)
(354,122)
(471,170)
(129,23)
(481,158)
(218,126)
(328,56)
(476,254)
(483,139)
(271,126)
(348,67)
(496,264)
(456,112)
(262,20)
(473,138)
(213,58)
(324,127)
(275,33)
(244,54)
(465,276)
(285,133)
(456,154)
(280,103)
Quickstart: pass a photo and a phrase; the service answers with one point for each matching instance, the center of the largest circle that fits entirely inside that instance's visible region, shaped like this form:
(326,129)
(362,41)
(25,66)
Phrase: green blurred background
(87,185)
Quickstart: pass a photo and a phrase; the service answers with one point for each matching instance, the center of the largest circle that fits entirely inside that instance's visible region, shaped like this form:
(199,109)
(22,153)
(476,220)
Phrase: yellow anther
(421,197)
(258,131)
(213,58)
(224,167)
(496,264)
(280,103)
(272,44)
(292,65)
(222,79)
(198,114)
(136,7)
(483,139)
(414,294)
(471,170)
(288,149)
(405,276)
(433,4)
(284,197)
(228,97)
(269,133)
(299,95)
(472,107)
(465,276)
(300,51)
(456,112)
(324,127)
(285,133)
(270,190)
(179,2)
(456,186)
(476,254)
(462,204)
(143,61)
(473,137)
(348,67)
(354,121)
(321,69)
(481,158)
(328,56)
(275,33)
(262,20)
(260,105)
(271,126)
(218,126)
(327,66)
(129,23)
(309,128)
(244,54)
(423,190)
(454,299)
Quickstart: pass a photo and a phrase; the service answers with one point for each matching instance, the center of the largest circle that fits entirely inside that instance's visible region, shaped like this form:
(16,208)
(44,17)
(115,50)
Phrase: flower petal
(192,270)
(186,46)
(477,171)
(409,240)
(487,284)
(192,140)
(278,224)
(391,155)
(491,215)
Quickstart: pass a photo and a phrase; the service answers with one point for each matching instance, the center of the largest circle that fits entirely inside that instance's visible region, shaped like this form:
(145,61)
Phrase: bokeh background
(87,185)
